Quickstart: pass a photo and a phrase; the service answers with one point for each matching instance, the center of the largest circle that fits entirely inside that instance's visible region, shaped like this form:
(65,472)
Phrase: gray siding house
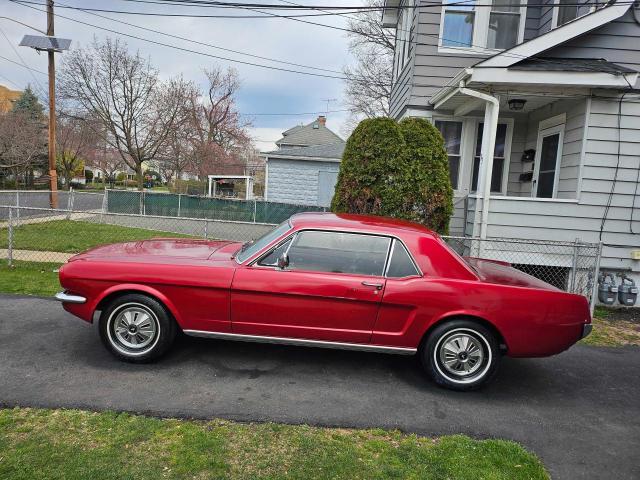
(304,169)
(540,110)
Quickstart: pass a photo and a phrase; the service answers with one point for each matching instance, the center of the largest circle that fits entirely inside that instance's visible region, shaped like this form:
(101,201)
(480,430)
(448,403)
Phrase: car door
(331,289)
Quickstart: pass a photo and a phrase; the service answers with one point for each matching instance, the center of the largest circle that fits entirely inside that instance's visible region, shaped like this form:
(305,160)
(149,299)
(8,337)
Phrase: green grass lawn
(614,328)
(73,237)
(72,444)
(29,278)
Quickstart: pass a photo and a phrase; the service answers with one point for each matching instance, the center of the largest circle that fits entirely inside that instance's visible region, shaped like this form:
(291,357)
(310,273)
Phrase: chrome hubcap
(461,354)
(134,328)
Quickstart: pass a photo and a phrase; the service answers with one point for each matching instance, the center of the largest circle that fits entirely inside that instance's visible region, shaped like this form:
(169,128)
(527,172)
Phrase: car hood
(495,271)
(154,249)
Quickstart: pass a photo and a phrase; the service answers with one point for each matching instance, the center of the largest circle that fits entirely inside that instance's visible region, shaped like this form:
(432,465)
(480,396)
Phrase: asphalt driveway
(579,411)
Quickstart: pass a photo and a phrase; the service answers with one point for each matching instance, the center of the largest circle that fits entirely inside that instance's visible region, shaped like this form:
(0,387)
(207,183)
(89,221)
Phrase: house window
(459,18)
(404,32)
(452,133)
(567,11)
(504,22)
(496,26)
(498,158)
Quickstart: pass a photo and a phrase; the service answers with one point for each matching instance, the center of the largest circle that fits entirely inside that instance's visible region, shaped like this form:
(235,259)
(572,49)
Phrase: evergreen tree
(396,170)
(29,105)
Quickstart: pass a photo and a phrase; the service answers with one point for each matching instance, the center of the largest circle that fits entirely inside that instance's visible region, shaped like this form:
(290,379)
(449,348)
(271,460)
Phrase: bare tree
(123,91)
(175,158)
(107,160)
(368,84)
(22,144)
(75,137)
(214,122)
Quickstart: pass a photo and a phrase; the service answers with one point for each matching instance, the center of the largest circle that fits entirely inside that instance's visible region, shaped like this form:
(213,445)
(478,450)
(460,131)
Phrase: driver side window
(339,252)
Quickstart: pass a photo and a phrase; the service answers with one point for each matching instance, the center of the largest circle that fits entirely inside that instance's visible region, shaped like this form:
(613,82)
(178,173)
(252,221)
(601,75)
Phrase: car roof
(369,223)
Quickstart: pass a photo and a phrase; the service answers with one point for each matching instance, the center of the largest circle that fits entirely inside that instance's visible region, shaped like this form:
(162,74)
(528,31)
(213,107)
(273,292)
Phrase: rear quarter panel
(532,322)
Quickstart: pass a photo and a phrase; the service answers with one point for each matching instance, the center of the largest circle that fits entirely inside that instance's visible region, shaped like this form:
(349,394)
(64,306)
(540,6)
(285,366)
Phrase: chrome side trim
(66,298)
(301,342)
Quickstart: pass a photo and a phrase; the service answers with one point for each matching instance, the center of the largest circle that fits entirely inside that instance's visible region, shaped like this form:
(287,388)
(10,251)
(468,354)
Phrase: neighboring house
(539,109)
(7,98)
(304,169)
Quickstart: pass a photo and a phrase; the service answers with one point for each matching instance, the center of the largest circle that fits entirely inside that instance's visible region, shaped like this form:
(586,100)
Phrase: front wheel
(461,355)
(136,328)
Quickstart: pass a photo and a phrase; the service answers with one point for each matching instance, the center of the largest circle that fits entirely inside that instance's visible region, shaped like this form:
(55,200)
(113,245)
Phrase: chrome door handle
(378,286)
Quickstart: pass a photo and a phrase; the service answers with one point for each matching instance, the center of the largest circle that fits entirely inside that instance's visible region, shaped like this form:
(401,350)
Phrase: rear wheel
(136,328)
(461,355)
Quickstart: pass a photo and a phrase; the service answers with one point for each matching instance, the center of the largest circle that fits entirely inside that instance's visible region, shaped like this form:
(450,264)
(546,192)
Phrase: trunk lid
(502,273)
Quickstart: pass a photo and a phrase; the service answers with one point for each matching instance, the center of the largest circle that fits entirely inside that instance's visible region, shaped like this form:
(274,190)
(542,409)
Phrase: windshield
(251,248)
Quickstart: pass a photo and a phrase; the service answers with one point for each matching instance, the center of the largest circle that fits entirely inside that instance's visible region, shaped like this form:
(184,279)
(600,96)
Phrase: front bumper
(64,297)
(586,330)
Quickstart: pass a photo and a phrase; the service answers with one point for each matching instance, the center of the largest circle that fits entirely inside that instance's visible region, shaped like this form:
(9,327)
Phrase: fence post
(255,208)
(594,290)
(574,266)
(104,204)
(179,202)
(10,239)
(17,207)
(69,203)
(206,229)
(140,202)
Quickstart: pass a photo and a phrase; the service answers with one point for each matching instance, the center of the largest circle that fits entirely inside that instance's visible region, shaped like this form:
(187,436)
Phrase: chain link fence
(569,266)
(30,231)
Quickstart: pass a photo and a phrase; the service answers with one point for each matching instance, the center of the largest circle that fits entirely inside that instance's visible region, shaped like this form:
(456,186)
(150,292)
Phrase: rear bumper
(586,330)
(64,297)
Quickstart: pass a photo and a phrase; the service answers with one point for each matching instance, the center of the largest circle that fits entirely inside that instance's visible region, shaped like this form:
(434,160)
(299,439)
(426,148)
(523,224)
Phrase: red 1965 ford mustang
(325,280)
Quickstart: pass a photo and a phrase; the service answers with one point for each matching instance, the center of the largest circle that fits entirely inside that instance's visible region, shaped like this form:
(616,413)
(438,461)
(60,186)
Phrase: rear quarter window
(401,265)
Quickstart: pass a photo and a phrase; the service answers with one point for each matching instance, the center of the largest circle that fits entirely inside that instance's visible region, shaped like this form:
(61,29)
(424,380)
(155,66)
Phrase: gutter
(491,112)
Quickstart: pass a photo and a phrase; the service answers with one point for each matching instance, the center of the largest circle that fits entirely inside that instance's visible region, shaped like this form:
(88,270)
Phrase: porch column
(491,112)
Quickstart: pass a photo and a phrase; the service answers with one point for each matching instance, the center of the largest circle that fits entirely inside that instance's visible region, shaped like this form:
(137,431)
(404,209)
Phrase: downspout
(491,112)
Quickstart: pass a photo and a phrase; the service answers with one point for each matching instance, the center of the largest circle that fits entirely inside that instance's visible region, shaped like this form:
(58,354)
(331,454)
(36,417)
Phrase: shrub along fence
(178,205)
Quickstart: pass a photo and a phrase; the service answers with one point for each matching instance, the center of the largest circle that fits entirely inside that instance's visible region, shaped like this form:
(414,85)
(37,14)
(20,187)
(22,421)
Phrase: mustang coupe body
(326,280)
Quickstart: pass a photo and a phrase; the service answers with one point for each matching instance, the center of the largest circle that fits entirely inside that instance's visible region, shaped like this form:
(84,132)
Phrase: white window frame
(404,30)
(504,184)
(464,147)
(480,31)
(555,14)
(550,126)
(467,151)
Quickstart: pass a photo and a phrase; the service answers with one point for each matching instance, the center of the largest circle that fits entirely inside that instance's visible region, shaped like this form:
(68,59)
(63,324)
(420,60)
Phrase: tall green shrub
(372,170)
(428,192)
(397,170)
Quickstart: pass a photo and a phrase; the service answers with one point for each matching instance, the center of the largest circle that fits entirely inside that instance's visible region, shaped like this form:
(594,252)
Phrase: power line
(294,114)
(38,84)
(176,47)
(23,66)
(209,44)
(186,15)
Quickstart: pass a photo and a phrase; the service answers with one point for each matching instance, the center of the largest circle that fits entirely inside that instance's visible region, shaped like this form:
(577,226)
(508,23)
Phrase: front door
(330,291)
(548,156)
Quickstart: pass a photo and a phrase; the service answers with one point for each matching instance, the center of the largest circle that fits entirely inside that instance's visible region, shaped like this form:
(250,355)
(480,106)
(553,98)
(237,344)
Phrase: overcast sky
(263,90)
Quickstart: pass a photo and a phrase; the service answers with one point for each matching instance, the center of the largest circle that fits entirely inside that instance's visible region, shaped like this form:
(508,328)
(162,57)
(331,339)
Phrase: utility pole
(50,44)
(53,196)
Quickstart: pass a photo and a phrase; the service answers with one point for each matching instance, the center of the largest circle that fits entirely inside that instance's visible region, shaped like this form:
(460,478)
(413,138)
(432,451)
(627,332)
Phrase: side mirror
(283,261)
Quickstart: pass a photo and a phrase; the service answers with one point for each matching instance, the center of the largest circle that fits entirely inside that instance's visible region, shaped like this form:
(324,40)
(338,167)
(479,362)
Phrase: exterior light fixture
(516,104)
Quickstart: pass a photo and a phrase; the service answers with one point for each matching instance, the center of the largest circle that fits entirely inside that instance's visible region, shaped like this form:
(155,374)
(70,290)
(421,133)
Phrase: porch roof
(542,79)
